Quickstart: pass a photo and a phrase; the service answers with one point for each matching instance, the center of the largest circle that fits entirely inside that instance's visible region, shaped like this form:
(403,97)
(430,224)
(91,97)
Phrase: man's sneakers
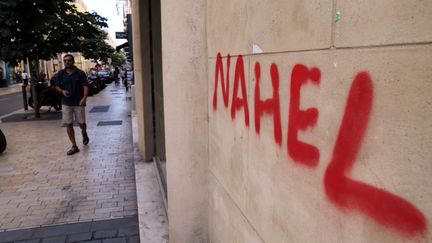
(86,139)
(73,150)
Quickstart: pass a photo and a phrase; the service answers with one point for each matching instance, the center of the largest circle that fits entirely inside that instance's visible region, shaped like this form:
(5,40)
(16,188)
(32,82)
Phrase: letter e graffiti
(298,119)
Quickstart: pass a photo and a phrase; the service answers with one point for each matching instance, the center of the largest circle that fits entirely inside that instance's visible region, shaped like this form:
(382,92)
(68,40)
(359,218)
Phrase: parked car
(105,76)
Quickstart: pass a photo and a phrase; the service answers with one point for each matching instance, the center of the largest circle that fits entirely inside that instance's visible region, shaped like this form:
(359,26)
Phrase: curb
(143,215)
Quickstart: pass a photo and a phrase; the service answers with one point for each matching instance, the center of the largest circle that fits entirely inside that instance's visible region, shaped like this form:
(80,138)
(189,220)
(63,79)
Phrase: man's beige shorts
(68,112)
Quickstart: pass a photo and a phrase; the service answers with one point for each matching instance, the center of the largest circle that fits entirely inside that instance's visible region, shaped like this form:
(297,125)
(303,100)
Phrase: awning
(122,46)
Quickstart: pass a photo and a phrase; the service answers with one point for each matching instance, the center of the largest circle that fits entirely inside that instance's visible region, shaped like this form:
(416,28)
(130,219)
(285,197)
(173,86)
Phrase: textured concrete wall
(356,167)
(184,57)
(157,77)
(141,49)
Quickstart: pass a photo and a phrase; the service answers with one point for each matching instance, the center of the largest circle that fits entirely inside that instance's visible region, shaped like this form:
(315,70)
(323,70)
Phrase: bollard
(24,94)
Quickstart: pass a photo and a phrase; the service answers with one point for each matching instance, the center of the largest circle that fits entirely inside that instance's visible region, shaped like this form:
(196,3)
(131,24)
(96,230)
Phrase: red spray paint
(268,106)
(384,207)
(238,103)
(225,87)
(298,119)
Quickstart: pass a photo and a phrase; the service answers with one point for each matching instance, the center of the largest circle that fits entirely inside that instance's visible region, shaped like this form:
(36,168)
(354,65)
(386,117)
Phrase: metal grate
(100,108)
(110,123)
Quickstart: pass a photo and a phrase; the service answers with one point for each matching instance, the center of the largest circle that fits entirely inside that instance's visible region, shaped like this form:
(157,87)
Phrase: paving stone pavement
(40,185)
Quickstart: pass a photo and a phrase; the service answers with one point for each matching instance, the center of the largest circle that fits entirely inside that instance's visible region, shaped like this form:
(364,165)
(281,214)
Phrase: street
(10,103)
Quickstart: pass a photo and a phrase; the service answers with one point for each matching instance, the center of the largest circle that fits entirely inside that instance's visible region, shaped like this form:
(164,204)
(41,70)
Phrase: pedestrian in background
(71,82)
(116,75)
(25,78)
(125,80)
(17,77)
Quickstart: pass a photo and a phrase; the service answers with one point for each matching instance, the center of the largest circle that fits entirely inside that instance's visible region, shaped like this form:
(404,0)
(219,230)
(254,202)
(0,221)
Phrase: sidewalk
(40,185)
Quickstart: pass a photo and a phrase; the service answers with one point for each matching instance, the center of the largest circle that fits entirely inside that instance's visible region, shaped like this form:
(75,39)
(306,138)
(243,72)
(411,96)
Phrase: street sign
(121,35)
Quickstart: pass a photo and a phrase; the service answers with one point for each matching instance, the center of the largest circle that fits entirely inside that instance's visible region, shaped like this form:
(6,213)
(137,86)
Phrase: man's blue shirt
(72,83)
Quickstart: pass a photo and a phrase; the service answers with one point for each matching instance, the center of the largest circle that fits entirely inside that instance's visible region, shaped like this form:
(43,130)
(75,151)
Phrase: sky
(108,9)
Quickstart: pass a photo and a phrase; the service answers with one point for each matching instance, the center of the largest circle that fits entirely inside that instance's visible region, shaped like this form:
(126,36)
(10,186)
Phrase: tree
(39,29)
(97,49)
(117,59)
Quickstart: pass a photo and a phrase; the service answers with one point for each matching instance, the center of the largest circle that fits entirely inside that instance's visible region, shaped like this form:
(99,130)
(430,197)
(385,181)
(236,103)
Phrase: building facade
(288,121)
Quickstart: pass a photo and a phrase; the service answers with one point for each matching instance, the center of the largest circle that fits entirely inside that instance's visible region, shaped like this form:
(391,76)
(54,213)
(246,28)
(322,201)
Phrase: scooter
(95,83)
(47,96)
(2,142)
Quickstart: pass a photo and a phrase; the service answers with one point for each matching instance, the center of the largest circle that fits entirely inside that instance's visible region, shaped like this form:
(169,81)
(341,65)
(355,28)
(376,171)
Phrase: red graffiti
(384,207)
(301,119)
(225,88)
(238,103)
(268,106)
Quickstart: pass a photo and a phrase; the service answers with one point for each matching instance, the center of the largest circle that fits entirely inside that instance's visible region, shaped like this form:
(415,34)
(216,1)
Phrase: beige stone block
(395,153)
(227,27)
(282,195)
(273,26)
(277,26)
(365,23)
(228,137)
(226,221)
(186,118)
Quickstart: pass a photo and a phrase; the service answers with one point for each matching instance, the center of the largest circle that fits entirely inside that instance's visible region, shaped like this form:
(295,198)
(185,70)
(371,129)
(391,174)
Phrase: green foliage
(39,29)
(96,48)
(117,59)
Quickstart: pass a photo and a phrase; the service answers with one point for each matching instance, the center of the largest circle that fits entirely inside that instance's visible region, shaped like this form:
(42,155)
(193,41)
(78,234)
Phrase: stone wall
(184,61)
(319,121)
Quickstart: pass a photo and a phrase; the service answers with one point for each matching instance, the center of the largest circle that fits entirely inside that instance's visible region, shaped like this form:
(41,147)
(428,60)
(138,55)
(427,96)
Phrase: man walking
(71,82)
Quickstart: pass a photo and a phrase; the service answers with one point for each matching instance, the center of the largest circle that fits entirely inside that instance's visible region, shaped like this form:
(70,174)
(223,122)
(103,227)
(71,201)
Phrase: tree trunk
(34,71)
